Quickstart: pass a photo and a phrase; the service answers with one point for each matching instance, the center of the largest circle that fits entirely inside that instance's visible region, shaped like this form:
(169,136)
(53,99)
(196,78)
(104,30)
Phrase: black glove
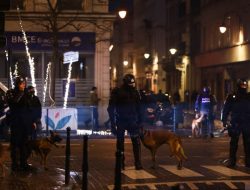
(113,128)
(226,125)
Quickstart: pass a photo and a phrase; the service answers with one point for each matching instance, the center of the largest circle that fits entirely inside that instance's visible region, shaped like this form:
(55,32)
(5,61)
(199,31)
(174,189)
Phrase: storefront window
(20,64)
(16,3)
(82,69)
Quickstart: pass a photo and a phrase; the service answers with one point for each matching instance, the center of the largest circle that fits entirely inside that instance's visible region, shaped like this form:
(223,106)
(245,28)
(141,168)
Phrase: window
(182,9)
(17,3)
(71,5)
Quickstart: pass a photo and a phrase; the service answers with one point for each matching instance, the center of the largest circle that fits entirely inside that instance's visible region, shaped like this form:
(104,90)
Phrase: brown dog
(43,146)
(4,151)
(196,125)
(153,139)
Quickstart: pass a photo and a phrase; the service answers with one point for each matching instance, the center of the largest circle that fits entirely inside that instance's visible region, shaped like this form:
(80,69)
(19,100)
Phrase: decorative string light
(15,74)
(11,79)
(30,59)
(90,132)
(6,55)
(67,86)
(46,82)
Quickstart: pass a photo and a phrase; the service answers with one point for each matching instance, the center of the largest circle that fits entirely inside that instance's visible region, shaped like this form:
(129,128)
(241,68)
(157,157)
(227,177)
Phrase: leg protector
(137,152)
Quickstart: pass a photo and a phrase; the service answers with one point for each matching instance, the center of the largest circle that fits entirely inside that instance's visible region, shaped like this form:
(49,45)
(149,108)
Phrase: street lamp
(122,14)
(227,21)
(125,63)
(146,55)
(173,51)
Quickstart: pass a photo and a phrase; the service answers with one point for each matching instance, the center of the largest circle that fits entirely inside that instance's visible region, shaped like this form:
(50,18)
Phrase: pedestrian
(20,118)
(36,108)
(205,106)
(176,98)
(237,105)
(94,100)
(124,114)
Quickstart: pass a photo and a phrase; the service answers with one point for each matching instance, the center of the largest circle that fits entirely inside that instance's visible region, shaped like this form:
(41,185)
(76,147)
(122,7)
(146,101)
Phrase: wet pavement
(39,178)
(54,177)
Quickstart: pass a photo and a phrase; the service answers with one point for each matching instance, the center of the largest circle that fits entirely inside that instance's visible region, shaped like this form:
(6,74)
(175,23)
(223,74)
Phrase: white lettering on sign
(70,56)
(31,39)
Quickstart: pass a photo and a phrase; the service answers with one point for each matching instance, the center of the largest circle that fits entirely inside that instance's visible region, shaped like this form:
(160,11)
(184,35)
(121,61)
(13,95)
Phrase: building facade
(84,26)
(154,27)
(222,57)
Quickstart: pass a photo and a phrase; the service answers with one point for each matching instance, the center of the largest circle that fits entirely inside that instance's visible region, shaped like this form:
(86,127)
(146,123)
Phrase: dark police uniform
(36,109)
(124,113)
(20,119)
(204,104)
(237,105)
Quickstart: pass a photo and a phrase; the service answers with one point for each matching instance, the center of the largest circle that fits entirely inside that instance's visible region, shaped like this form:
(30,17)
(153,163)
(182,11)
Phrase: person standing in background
(205,105)
(94,100)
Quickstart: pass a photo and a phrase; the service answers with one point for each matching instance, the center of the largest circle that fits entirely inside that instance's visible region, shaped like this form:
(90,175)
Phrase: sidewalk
(40,179)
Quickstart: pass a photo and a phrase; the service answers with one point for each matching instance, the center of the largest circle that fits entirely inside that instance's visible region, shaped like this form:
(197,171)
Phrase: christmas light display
(46,82)
(30,59)
(67,86)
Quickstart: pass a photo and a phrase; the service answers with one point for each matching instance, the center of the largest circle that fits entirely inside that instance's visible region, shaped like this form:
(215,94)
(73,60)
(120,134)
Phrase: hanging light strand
(30,59)
(46,82)
(67,86)
(6,55)
(11,79)
(15,74)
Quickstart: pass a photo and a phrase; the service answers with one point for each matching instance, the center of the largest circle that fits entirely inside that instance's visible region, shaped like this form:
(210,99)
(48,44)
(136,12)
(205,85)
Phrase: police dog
(196,125)
(4,151)
(42,147)
(153,139)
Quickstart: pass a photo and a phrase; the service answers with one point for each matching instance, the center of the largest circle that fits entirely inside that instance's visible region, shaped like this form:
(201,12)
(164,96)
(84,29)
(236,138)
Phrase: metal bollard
(85,164)
(118,168)
(67,157)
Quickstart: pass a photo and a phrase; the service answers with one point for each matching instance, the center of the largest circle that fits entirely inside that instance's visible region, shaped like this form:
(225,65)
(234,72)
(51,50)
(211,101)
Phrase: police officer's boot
(122,161)
(232,156)
(137,152)
(120,147)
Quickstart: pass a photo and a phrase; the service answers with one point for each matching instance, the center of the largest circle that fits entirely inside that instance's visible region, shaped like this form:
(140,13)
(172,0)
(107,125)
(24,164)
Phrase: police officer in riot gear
(205,105)
(20,119)
(124,114)
(237,105)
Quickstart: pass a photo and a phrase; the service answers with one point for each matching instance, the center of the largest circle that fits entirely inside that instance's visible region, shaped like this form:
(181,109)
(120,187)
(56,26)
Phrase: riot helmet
(31,90)
(242,85)
(19,80)
(206,90)
(129,80)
